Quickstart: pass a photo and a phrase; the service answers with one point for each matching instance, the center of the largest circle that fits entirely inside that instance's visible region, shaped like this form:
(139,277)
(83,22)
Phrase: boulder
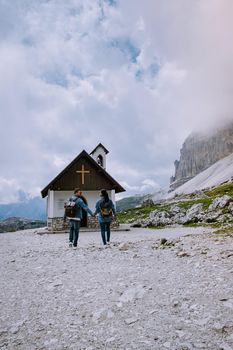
(123,247)
(194,212)
(213,216)
(132,293)
(162,218)
(136,223)
(146,222)
(153,214)
(179,218)
(131,320)
(175,209)
(230,208)
(163,241)
(224,218)
(182,254)
(220,202)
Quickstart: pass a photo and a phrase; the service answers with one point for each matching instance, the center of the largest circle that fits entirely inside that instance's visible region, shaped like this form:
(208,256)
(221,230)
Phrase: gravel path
(135,295)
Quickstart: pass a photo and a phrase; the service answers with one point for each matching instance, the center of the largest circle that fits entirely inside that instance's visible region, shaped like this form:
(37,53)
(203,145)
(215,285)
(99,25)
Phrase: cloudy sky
(136,75)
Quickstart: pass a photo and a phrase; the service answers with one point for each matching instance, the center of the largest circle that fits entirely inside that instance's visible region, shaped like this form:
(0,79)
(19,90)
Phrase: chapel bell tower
(99,155)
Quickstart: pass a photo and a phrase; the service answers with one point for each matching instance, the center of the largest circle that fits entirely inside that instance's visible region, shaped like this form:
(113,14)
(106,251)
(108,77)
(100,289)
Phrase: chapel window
(100,160)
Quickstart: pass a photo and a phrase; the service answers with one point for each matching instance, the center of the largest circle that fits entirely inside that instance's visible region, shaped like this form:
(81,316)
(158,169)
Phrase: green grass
(194,224)
(156,227)
(226,188)
(203,224)
(127,215)
(188,204)
(135,213)
(226,230)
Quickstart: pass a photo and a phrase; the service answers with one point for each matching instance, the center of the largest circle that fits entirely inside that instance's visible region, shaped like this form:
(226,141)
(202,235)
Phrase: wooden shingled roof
(95,177)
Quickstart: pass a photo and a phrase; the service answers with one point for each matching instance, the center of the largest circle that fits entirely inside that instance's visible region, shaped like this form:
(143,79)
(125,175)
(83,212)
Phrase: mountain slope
(216,174)
(33,208)
(130,202)
(200,151)
(138,200)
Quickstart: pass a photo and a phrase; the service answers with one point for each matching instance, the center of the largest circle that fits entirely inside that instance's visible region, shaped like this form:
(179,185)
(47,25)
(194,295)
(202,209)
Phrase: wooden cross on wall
(83,172)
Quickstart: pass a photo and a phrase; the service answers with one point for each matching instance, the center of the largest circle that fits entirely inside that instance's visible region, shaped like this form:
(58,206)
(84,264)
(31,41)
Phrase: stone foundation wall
(94,223)
(57,224)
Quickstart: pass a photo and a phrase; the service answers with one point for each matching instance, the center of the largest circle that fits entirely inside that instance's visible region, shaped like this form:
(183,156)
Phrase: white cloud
(149,186)
(136,76)
(8,191)
(145,187)
(140,24)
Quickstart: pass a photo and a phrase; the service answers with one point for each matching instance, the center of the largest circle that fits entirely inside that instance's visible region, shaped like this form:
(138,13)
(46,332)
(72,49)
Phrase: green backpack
(106,209)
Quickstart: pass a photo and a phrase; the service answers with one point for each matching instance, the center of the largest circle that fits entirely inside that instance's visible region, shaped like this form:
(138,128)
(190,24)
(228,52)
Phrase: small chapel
(87,172)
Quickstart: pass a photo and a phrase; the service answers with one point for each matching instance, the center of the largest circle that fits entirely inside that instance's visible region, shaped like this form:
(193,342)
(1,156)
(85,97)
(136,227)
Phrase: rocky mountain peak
(200,151)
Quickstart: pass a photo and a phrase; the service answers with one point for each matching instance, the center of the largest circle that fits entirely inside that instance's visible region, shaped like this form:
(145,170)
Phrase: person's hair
(76,190)
(105,196)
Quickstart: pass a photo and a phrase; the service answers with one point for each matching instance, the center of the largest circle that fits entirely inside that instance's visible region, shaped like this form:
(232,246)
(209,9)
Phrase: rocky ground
(141,293)
(219,211)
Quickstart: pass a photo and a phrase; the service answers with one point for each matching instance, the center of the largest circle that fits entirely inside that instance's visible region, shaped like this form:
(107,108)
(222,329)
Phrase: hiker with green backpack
(105,210)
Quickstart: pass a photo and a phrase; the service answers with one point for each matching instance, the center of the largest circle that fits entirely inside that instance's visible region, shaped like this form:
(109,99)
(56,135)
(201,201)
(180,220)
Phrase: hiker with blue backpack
(105,210)
(73,212)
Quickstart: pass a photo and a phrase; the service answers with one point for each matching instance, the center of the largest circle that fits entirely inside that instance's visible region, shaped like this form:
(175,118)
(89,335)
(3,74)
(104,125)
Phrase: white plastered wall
(56,201)
(50,204)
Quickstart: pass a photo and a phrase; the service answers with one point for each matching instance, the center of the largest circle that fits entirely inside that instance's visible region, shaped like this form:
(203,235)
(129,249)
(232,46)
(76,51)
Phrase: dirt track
(134,295)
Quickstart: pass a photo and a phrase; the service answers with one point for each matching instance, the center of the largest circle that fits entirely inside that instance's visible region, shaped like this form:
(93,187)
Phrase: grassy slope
(219,191)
